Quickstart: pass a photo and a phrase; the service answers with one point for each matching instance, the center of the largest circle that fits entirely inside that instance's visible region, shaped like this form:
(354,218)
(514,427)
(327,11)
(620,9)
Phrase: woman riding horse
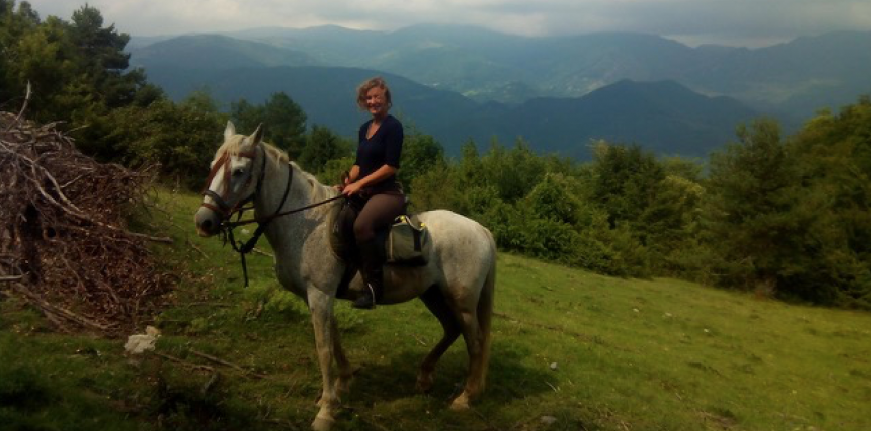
(457,283)
(371,182)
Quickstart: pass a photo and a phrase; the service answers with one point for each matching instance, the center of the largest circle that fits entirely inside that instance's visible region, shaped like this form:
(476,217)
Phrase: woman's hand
(351,189)
(345,179)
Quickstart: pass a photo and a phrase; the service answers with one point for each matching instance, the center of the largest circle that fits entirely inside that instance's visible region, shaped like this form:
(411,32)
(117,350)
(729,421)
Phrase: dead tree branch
(23,107)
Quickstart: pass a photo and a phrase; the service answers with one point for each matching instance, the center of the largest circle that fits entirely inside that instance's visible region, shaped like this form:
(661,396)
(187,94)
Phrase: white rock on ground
(139,343)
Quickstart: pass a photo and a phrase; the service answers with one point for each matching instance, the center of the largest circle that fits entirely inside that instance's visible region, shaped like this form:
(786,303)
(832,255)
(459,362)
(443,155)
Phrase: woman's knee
(378,213)
(363,230)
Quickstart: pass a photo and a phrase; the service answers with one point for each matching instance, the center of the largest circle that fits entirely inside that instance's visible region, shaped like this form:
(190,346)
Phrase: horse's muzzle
(207,221)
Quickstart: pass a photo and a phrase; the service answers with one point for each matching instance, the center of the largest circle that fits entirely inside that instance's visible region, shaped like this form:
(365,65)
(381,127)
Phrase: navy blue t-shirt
(384,148)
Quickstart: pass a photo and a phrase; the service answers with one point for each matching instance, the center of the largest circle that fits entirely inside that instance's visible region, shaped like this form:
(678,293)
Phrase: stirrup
(366,302)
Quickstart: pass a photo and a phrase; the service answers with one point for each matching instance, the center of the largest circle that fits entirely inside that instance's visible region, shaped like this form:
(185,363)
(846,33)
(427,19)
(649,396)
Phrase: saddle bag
(408,242)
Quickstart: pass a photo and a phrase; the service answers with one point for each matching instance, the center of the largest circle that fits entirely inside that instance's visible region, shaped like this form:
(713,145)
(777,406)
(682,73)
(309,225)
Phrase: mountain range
(458,83)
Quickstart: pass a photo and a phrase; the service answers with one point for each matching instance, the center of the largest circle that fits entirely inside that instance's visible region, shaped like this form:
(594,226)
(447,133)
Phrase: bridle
(220,199)
(226,211)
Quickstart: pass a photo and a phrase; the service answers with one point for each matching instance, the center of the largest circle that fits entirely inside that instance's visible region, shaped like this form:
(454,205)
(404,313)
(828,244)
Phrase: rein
(227,226)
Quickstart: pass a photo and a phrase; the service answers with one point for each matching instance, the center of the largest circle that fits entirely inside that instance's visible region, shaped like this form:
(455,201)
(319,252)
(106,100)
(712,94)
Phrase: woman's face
(376,103)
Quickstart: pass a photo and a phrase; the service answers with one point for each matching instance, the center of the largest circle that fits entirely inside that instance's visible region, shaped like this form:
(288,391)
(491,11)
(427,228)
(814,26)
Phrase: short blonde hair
(376,82)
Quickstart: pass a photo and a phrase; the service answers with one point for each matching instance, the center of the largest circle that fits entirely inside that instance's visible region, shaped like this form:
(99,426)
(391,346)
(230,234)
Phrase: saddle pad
(408,242)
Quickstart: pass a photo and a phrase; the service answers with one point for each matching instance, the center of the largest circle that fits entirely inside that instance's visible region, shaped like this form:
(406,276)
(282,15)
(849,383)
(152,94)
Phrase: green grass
(628,354)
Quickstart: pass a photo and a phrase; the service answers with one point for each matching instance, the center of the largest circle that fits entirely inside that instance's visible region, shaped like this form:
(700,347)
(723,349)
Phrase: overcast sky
(751,23)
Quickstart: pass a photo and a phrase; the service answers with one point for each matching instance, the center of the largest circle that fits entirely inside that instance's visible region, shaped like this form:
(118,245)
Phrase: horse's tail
(485,312)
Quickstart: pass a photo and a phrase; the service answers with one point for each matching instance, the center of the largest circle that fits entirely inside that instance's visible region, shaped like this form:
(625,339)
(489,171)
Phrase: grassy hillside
(572,351)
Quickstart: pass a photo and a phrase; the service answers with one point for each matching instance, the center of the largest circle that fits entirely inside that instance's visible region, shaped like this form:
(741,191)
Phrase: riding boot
(372,269)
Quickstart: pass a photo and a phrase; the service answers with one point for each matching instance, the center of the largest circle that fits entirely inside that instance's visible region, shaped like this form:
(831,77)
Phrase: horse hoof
(323,423)
(461,403)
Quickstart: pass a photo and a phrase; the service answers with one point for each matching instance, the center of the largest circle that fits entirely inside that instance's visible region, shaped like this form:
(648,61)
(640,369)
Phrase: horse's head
(233,180)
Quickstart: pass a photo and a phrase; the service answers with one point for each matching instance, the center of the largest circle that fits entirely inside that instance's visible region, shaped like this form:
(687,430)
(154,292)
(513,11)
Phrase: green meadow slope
(571,350)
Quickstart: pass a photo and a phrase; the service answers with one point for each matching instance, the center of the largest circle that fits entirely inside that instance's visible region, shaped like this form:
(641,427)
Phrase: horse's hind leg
(474,345)
(435,302)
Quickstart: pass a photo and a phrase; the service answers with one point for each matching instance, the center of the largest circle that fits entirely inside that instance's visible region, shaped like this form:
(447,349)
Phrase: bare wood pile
(64,245)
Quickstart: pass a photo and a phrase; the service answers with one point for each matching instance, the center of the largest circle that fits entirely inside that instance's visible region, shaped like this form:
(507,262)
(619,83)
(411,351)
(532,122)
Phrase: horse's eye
(238,172)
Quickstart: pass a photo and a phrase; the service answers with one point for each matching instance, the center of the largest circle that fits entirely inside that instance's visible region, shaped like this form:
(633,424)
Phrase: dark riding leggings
(378,213)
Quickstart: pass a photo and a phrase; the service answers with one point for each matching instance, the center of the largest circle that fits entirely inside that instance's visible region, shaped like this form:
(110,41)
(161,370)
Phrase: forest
(782,216)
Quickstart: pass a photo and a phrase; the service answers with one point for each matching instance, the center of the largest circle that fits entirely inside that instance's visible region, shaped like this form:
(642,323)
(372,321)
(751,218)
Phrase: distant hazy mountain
(793,79)
(327,94)
(215,52)
(663,117)
(798,77)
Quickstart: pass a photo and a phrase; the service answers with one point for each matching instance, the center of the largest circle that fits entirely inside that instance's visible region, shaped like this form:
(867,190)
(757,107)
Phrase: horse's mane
(319,192)
(237,143)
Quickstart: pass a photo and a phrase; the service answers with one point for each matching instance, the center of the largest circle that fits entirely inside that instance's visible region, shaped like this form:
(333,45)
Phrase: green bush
(182,138)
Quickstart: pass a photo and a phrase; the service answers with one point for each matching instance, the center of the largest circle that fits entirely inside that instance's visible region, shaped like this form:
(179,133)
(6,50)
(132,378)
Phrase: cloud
(712,20)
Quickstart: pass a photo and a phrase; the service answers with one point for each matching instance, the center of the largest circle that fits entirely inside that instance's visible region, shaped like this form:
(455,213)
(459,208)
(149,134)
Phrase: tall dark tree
(14,25)
(38,53)
(246,116)
(283,120)
(76,70)
(750,195)
(102,57)
(322,145)
(512,173)
(420,153)
(626,181)
(831,262)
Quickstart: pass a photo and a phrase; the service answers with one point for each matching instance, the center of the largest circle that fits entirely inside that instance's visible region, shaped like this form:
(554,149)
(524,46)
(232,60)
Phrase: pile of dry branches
(64,246)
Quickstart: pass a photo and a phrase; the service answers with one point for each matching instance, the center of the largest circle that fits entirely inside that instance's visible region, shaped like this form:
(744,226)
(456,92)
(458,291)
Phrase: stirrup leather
(372,291)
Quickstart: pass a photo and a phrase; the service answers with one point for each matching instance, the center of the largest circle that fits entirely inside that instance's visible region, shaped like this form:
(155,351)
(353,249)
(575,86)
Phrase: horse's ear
(230,131)
(257,135)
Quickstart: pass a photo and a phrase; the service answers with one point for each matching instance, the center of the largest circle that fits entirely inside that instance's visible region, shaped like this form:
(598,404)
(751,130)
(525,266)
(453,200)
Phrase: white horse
(457,284)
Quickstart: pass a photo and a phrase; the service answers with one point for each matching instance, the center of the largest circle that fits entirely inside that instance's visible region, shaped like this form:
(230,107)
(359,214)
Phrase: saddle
(404,243)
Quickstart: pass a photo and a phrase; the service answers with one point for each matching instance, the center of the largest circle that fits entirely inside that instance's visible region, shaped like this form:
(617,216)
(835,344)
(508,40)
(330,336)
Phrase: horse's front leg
(346,372)
(321,307)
